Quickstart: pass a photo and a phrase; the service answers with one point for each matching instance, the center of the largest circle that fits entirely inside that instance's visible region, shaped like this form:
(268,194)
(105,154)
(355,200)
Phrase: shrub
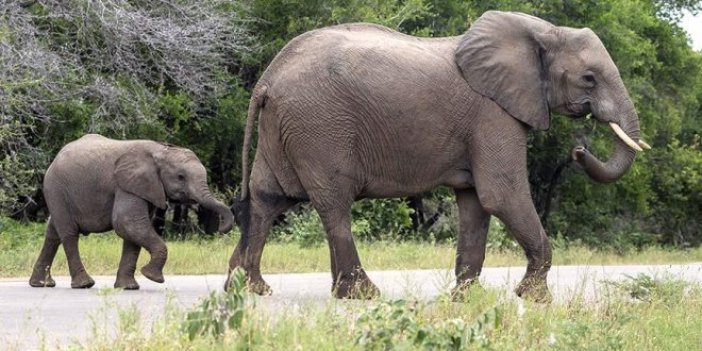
(401,324)
(219,312)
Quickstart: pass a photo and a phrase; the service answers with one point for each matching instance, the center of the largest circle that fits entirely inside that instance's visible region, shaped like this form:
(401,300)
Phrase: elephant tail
(258,99)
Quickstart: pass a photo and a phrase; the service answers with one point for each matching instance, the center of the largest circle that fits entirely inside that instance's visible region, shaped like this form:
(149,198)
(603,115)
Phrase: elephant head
(530,67)
(166,172)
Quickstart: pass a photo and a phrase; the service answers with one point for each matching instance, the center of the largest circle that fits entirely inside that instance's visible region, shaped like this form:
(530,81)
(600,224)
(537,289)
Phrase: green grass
(667,318)
(20,245)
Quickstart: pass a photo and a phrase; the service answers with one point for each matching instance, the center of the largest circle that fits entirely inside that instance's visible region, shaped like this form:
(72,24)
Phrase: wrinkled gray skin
(360,111)
(96,184)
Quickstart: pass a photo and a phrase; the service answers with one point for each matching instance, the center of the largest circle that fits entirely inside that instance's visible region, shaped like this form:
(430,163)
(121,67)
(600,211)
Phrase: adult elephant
(361,111)
(96,184)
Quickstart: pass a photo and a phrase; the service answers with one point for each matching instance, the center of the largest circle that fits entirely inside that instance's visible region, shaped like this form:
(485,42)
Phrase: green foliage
(663,289)
(219,312)
(302,226)
(678,182)
(401,324)
(381,218)
(372,220)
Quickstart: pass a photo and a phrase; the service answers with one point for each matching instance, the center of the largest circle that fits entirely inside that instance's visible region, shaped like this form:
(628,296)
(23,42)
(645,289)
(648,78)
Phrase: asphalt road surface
(61,316)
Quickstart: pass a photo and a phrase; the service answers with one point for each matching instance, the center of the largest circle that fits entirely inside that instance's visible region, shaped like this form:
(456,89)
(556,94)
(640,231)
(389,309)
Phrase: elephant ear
(500,58)
(136,173)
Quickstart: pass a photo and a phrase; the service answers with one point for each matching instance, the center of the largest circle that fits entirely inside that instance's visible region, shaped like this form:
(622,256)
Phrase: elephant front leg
(130,218)
(474,223)
(517,212)
(41,274)
(127,266)
(499,165)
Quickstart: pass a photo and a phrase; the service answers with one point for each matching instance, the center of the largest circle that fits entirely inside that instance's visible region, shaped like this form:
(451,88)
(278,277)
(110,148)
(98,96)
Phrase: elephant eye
(589,78)
(181,177)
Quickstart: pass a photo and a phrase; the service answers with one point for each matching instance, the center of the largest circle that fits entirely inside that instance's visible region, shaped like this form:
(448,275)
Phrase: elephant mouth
(182,198)
(579,110)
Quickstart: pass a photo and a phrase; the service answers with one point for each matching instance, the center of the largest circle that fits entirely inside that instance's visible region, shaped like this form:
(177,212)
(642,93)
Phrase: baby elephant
(96,184)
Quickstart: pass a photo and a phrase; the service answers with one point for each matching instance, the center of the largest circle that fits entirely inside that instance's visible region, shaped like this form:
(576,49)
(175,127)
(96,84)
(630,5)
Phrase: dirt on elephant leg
(534,289)
(258,286)
(254,281)
(463,290)
(355,285)
(126,284)
(41,278)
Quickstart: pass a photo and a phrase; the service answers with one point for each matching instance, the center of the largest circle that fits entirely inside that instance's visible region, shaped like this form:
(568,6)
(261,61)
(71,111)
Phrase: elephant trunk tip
(226,225)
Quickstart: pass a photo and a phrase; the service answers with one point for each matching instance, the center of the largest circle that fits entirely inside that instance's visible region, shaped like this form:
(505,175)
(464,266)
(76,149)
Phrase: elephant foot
(259,287)
(355,286)
(42,282)
(153,273)
(253,280)
(82,281)
(42,279)
(462,290)
(535,290)
(126,284)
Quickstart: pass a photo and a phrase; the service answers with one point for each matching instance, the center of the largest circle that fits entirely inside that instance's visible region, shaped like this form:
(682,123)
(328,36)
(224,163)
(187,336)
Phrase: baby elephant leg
(130,218)
(127,266)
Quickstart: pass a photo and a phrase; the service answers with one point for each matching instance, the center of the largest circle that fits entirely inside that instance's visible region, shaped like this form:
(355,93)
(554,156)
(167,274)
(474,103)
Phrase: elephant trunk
(208,201)
(627,141)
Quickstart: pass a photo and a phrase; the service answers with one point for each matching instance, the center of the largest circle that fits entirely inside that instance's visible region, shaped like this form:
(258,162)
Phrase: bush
(219,312)
(400,324)
(677,202)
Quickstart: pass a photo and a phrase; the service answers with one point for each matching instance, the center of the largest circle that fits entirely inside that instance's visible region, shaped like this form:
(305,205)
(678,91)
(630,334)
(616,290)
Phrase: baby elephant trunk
(209,202)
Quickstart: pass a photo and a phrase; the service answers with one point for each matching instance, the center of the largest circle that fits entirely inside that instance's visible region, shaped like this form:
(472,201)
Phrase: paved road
(61,316)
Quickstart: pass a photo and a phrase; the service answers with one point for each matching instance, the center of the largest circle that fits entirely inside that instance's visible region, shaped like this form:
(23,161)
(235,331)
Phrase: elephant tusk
(625,138)
(644,145)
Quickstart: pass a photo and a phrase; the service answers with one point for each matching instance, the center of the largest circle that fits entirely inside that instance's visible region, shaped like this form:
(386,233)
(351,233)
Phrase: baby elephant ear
(136,173)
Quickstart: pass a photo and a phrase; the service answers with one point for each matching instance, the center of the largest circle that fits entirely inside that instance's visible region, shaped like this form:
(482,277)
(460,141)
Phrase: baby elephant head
(165,172)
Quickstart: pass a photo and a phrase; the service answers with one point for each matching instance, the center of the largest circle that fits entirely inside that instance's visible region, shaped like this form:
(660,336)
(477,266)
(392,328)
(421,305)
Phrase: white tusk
(625,138)
(644,145)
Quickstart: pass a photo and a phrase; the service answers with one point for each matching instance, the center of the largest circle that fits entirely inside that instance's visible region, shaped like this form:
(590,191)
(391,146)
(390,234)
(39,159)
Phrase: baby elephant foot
(41,279)
(126,283)
(535,290)
(355,286)
(153,273)
(82,281)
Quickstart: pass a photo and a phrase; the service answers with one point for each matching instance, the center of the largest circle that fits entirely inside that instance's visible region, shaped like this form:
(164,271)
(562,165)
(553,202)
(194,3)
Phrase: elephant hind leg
(255,216)
(79,277)
(41,274)
(349,279)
